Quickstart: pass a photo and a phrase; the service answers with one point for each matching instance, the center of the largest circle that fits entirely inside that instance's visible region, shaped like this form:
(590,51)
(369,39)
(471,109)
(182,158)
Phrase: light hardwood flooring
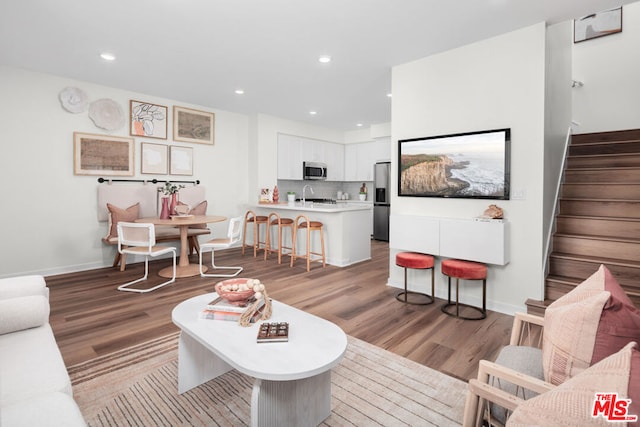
(91,318)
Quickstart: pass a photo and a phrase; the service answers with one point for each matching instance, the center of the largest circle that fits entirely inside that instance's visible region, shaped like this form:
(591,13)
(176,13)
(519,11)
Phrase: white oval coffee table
(293,379)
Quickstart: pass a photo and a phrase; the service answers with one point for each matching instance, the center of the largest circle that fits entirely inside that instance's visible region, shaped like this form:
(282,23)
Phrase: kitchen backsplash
(323,189)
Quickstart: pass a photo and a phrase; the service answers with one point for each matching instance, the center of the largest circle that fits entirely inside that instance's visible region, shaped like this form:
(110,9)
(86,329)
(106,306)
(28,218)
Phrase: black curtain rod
(153,181)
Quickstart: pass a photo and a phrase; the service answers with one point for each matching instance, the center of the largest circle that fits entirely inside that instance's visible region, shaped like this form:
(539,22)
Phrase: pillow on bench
(117,215)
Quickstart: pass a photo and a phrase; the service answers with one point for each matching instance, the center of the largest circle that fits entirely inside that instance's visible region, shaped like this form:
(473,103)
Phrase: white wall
(609,67)
(495,83)
(49,215)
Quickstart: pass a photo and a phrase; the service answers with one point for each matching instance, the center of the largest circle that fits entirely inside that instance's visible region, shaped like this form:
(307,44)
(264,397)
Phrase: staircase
(598,219)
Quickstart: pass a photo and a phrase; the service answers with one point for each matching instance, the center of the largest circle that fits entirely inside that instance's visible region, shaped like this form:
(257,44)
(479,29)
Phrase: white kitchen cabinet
(290,157)
(350,162)
(294,150)
(360,158)
(334,155)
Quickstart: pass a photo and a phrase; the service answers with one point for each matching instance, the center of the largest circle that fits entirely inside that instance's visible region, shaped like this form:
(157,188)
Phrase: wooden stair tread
(590,199)
(603,218)
(595,260)
(597,237)
(607,142)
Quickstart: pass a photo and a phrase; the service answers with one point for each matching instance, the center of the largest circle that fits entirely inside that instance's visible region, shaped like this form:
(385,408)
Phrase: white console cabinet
(468,239)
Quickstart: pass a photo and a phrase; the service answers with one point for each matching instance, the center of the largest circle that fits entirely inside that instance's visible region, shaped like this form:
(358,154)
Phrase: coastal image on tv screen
(473,165)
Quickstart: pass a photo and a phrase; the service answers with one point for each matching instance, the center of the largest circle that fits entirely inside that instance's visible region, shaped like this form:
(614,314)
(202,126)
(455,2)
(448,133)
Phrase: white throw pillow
(17,314)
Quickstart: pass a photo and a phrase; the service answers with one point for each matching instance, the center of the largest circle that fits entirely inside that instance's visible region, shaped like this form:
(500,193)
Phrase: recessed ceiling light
(359,125)
(389,95)
(324,59)
(108,56)
(239,92)
(313,113)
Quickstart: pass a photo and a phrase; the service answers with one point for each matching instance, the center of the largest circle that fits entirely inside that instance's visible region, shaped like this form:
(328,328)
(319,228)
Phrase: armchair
(515,376)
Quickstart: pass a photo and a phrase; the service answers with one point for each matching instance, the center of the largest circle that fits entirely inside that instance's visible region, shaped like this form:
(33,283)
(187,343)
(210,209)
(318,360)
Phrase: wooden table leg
(184,268)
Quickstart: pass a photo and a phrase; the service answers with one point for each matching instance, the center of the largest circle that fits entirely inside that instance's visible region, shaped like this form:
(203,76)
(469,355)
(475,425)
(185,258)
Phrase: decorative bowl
(239,297)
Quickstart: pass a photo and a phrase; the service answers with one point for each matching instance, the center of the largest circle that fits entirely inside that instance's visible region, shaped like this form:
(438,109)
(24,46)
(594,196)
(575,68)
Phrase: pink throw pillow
(619,322)
(117,215)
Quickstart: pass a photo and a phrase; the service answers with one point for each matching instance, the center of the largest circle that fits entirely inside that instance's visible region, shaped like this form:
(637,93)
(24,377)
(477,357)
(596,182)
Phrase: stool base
(445,310)
(446,307)
(404,297)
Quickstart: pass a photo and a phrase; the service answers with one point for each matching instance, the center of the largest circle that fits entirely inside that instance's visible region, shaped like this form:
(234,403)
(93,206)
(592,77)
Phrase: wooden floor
(90,317)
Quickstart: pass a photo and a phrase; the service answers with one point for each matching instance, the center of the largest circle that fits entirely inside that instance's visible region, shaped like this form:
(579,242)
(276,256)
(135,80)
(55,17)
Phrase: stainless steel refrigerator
(382,200)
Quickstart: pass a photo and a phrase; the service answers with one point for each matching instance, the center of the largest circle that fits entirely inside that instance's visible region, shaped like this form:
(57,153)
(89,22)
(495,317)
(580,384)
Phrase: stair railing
(552,223)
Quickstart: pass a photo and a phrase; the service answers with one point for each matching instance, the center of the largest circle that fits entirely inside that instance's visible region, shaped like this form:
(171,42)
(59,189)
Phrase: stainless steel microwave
(314,171)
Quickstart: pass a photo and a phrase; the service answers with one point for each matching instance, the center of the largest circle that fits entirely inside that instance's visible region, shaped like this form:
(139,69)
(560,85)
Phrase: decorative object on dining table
(164,212)
(239,291)
(170,189)
(182,210)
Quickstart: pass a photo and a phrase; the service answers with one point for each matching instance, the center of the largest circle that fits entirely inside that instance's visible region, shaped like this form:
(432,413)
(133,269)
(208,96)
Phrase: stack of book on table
(222,309)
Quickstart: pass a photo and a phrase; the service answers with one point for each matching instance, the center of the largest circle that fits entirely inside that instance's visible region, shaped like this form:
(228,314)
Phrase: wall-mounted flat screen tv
(465,165)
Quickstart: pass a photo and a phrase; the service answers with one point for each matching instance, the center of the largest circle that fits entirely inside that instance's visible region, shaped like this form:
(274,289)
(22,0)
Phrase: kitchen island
(347,228)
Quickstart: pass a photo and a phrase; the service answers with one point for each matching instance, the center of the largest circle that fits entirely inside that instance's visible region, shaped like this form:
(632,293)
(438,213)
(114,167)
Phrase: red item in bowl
(234,296)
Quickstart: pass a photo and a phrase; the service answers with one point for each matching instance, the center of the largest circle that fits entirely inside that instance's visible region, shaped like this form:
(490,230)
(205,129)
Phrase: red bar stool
(257,220)
(417,261)
(309,226)
(466,270)
(281,223)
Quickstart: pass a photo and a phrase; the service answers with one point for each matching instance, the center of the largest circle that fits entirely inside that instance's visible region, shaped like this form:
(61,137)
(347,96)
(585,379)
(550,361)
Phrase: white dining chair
(140,239)
(234,235)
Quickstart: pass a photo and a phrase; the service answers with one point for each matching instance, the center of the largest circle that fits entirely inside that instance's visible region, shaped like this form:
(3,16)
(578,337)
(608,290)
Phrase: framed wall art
(102,155)
(193,125)
(154,158)
(181,160)
(148,120)
(597,25)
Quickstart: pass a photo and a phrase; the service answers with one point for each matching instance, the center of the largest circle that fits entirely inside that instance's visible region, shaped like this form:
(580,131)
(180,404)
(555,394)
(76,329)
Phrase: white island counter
(347,228)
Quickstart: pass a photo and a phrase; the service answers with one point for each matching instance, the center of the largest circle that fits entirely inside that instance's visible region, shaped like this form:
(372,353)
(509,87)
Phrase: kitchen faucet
(303,190)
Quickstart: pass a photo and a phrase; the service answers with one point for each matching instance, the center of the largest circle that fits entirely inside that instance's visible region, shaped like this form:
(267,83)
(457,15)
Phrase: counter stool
(281,223)
(309,226)
(257,220)
(417,261)
(466,270)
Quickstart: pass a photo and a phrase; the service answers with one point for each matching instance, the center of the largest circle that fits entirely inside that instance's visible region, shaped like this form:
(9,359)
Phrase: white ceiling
(200,51)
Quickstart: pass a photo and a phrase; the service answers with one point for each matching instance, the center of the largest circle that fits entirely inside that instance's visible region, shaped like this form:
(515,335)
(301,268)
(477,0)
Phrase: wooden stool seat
(281,223)
(417,261)
(257,220)
(309,226)
(465,270)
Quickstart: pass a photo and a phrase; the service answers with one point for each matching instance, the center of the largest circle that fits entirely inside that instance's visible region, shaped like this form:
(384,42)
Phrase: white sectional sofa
(35,389)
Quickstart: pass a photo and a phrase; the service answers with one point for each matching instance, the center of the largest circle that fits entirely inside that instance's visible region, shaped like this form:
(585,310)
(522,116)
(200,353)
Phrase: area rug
(371,386)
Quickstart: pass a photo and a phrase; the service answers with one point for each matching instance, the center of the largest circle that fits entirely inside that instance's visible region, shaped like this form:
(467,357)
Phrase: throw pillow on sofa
(17,314)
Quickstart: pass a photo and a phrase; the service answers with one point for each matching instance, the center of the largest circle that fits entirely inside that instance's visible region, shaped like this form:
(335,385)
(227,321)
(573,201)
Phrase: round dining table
(184,267)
